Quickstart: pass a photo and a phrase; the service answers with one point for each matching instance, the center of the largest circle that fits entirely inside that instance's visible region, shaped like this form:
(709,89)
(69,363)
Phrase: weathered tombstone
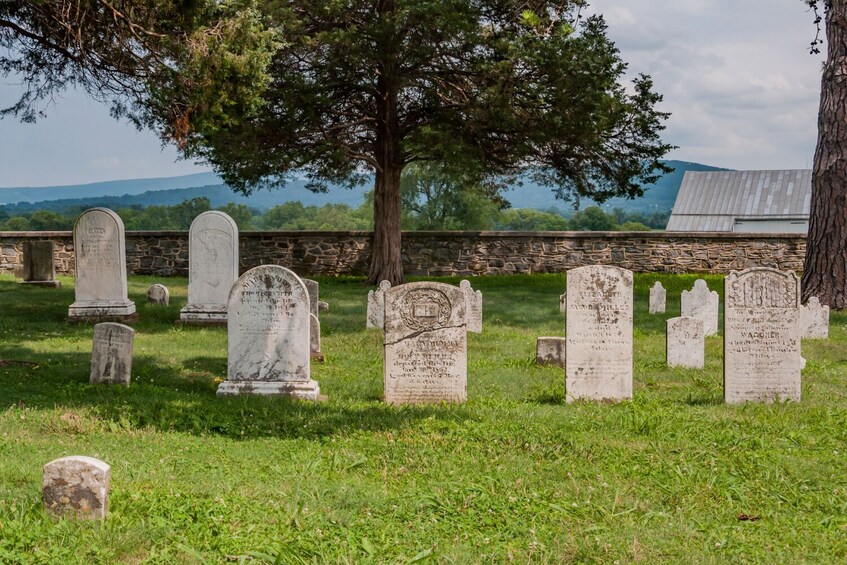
(550,351)
(814,319)
(39,267)
(762,359)
(599,333)
(158,294)
(212,268)
(100,267)
(658,297)
(426,355)
(376,306)
(313,288)
(563,303)
(269,335)
(701,303)
(315,338)
(685,342)
(76,486)
(315,306)
(111,354)
(474,307)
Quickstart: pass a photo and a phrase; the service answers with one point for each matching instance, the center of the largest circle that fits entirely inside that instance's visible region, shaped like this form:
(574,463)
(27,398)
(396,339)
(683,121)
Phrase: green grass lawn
(514,475)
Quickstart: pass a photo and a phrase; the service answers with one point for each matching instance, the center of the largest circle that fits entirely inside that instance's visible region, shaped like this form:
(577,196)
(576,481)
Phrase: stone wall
(165,253)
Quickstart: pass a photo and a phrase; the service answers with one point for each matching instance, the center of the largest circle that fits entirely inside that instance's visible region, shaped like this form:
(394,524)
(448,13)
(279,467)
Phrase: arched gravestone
(212,267)
(268,331)
(762,359)
(599,333)
(426,352)
(100,267)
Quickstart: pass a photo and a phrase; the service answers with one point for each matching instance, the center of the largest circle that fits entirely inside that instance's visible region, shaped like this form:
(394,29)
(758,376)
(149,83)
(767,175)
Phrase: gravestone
(158,294)
(111,354)
(658,297)
(315,338)
(268,327)
(315,306)
(473,300)
(563,303)
(376,306)
(762,359)
(39,267)
(425,344)
(212,268)
(701,303)
(313,288)
(814,319)
(685,342)
(599,333)
(76,486)
(550,351)
(100,268)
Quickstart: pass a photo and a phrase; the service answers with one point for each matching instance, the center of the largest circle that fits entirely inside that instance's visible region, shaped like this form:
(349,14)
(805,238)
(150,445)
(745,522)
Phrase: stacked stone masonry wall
(165,253)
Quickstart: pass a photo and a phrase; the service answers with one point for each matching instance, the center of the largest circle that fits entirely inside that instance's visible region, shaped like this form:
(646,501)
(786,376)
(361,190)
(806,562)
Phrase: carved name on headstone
(685,342)
(701,303)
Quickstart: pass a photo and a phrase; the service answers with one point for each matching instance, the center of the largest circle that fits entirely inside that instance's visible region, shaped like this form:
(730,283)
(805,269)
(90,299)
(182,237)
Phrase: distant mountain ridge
(169,191)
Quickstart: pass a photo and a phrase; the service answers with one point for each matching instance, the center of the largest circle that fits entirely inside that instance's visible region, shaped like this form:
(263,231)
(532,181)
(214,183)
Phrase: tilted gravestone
(212,268)
(701,303)
(814,319)
(425,346)
(268,327)
(39,266)
(158,294)
(376,306)
(100,267)
(599,333)
(111,354)
(762,359)
(658,298)
(77,487)
(685,342)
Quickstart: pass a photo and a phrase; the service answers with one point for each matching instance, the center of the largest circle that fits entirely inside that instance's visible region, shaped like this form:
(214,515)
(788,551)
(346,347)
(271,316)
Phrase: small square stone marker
(76,486)
(158,294)
(550,350)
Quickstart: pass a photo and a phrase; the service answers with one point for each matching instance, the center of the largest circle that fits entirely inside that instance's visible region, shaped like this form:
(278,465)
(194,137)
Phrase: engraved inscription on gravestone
(762,359)
(658,297)
(599,333)
(425,344)
(701,303)
(111,354)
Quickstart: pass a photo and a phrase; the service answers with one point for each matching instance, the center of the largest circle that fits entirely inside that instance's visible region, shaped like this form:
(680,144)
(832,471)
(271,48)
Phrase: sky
(737,78)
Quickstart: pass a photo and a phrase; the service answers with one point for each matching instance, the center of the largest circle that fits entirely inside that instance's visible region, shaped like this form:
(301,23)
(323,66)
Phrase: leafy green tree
(593,218)
(527,219)
(47,220)
(17,223)
(241,214)
(337,89)
(632,226)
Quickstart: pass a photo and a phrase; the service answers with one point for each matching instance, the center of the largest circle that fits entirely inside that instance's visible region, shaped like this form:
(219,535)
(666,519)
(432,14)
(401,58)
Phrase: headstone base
(102,312)
(304,390)
(52,284)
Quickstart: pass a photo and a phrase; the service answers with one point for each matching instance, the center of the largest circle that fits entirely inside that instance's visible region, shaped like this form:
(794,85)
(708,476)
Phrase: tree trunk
(825,267)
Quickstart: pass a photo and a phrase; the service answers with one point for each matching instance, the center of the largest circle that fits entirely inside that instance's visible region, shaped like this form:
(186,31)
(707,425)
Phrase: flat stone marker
(474,307)
(599,333)
(762,359)
(658,298)
(426,357)
(269,335)
(550,351)
(77,487)
(111,354)
(212,268)
(814,320)
(100,267)
(376,306)
(315,338)
(685,342)
(158,294)
(701,303)
(39,269)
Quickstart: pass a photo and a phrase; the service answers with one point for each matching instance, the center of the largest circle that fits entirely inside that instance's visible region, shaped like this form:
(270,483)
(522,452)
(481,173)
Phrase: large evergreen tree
(343,89)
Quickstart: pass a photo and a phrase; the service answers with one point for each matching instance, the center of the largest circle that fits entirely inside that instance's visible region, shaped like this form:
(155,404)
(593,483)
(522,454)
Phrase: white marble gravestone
(158,294)
(100,267)
(313,288)
(563,303)
(658,298)
(212,267)
(550,350)
(599,333)
(701,303)
(685,342)
(269,333)
(39,266)
(474,306)
(376,306)
(315,338)
(762,359)
(111,354)
(77,487)
(425,344)
(814,319)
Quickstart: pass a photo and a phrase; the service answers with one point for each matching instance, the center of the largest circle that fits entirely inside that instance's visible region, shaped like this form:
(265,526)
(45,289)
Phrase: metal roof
(712,200)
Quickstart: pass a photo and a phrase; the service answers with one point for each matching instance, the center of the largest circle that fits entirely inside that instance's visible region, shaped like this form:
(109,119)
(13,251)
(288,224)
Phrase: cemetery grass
(514,475)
